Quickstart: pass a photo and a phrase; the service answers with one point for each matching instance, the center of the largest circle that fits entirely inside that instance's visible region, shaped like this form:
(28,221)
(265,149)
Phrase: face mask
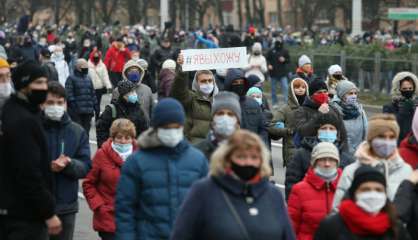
(134,77)
(408,93)
(338,76)
(320,98)
(96,59)
(207,88)
(224,125)
(384,148)
(58,55)
(37,97)
(5,89)
(238,89)
(84,71)
(170,137)
(352,99)
(371,202)
(257,53)
(54,112)
(259,100)
(327,136)
(328,174)
(122,148)
(245,173)
(133,98)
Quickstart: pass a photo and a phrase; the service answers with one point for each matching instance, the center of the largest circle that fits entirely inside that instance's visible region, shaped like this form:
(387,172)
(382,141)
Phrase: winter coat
(153,185)
(394,169)
(299,165)
(408,149)
(122,109)
(208,146)
(25,170)
(356,128)
(159,56)
(68,138)
(406,203)
(99,187)
(333,227)
(304,76)
(280,69)
(62,68)
(310,201)
(197,106)
(166,79)
(51,71)
(254,60)
(99,75)
(205,214)
(81,97)
(307,124)
(285,115)
(115,59)
(403,109)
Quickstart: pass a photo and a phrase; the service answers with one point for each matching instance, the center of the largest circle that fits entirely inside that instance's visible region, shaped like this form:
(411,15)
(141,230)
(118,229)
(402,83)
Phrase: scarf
(301,71)
(362,223)
(350,111)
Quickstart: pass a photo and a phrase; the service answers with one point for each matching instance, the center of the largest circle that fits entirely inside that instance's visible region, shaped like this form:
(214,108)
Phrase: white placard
(214,58)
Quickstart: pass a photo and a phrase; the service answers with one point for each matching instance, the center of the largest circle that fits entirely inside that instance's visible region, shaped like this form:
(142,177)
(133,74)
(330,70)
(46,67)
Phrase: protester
(161,54)
(49,65)
(81,97)
(257,64)
(155,180)
(115,59)
(408,149)
(367,213)
(220,78)
(99,186)
(278,60)
(27,204)
(6,87)
(57,57)
(335,75)
(380,152)
(226,118)
(310,200)
(148,78)
(305,69)
(69,154)
(166,78)
(404,93)
(352,112)
(197,102)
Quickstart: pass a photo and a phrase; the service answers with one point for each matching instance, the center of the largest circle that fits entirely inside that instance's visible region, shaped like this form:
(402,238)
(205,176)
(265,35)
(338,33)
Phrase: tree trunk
(192,14)
(255,15)
(220,12)
(279,13)
(3,8)
(239,14)
(261,10)
(132,7)
(107,10)
(144,12)
(79,11)
(57,8)
(249,18)
(173,13)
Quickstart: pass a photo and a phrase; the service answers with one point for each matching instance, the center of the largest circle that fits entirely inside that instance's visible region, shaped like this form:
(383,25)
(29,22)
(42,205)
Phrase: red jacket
(99,187)
(309,202)
(116,59)
(408,149)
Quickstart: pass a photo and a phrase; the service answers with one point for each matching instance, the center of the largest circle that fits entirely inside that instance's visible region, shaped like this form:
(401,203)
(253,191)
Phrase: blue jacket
(81,96)
(205,214)
(152,186)
(68,138)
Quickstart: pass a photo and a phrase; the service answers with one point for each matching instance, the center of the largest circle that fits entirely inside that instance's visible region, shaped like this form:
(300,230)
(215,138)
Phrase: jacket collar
(319,183)
(21,99)
(112,155)
(48,123)
(237,187)
(149,139)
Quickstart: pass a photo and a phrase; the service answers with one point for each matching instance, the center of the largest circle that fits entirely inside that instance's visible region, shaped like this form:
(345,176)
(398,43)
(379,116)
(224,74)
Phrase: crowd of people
(188,155)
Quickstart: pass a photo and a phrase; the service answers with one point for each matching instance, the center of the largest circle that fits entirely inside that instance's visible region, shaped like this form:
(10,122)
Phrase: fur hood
(395,92)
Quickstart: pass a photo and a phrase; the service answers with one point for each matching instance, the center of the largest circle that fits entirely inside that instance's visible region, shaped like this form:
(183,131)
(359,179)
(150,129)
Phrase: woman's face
(326,163)
(122,139)
(352,92)
(388,135)
(370,186)
(247,157)
(300,90)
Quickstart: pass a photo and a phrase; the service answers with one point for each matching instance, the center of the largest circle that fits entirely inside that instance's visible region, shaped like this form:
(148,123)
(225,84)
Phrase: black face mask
(257,53)
(96,59)
(84,71)
(245,173)
(238,89)
(37,97)
(408,93)
(338,76)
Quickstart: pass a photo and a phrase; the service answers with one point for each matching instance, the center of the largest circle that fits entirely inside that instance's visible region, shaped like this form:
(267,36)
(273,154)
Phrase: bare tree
(3,9)
(249,18)
(107,8)
(133,7)
(279,12)
(202,7)
(239,14)
(310,9)
(261,9)
(219,12)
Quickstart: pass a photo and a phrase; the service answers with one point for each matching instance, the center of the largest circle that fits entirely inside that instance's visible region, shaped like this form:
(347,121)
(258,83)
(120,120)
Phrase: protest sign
(214,58)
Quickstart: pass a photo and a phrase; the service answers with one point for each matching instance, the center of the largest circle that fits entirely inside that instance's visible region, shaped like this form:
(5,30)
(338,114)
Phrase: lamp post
(357,18)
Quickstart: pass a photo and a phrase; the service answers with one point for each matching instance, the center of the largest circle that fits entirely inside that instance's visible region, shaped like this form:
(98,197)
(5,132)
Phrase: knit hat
(304,60)
(143,63)
(333,69)
(365,173)
(169,64)
(257,47)
(316,85)
(381,123)
(329,118)
(81,63)
(324,150)
(227,100)
(26,73)
(167,111)
(125,86)
(254,90)
(4,63)
(343,87)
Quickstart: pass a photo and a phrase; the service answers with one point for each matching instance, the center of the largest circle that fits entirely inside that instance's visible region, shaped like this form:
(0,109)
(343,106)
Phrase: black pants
(68,225)
(106,235)
(84,120)
(99,94)
(15,229)
(115,78)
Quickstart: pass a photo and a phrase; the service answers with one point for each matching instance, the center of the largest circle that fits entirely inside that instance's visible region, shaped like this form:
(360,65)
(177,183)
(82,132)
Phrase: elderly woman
(236,201)
(100,184)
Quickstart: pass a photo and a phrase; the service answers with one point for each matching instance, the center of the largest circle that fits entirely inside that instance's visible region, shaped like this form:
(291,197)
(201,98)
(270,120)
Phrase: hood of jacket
(91,56)
(292,101)
(129,64)
(195,85)
(396,83)
(233,74)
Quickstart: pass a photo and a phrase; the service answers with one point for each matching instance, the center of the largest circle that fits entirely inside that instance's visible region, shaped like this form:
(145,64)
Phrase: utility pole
(396,22)
(357,18)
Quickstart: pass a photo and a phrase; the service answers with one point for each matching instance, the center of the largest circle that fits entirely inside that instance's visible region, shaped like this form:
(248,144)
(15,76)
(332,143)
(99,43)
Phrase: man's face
(53,99)
(39,84)
(204,79)
(5,75)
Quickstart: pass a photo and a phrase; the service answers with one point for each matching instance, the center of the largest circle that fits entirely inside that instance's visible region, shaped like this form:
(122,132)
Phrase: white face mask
(224,125)
(371,202)
(54,112)
(328,174)
(207,88)
(5,89)
(170,137)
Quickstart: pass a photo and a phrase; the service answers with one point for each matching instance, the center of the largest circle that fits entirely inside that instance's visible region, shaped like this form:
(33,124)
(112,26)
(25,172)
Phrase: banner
(403,13)
(214,58)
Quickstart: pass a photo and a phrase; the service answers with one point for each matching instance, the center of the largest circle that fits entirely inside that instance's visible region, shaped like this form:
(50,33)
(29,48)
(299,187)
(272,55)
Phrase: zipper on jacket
(326,196)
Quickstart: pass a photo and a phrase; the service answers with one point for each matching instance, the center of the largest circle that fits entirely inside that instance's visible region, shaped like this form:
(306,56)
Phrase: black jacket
(208,145)
(406,202)
(81,96)
(280,69)
(26,179)
(404,111)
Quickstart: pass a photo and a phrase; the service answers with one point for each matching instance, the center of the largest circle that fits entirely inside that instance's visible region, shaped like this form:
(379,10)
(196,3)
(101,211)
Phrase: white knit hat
(304,60)
(169,64)
(325,150)
(333,69)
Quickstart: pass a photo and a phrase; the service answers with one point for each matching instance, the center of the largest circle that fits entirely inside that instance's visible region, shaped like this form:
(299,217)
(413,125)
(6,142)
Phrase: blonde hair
(122,126)
(239,141)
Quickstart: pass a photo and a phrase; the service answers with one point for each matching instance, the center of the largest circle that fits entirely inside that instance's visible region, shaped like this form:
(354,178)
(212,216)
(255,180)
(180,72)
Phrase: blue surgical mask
(327,135)
(352,99)
(259,100)
(133,98)
(134,77)
(122,148)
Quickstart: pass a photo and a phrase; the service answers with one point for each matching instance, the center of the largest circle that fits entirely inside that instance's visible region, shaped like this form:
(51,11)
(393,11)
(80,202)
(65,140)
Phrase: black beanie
(316,85)
(125,87)
(329,118)
(364,174)
(26,73)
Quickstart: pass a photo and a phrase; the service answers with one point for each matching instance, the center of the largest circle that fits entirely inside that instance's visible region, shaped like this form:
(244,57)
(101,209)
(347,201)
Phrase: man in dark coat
(27,206)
